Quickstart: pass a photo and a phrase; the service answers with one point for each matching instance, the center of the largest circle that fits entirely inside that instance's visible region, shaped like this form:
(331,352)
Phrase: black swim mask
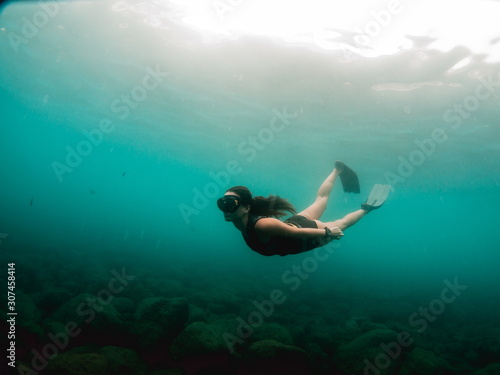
(228,203)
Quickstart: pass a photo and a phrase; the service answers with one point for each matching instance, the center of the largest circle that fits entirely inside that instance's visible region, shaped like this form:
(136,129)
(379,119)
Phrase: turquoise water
(120,129)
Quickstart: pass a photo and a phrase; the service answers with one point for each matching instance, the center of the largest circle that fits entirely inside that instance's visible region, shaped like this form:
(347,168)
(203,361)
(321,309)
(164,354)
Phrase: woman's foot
(368,208)
(377,197)
(348,177)
(339,166)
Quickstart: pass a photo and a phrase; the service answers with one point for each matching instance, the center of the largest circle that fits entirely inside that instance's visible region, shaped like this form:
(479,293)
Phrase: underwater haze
(122,124)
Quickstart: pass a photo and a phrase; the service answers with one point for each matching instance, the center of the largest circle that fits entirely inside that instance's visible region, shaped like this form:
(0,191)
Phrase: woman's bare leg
(345,222)
(315,210)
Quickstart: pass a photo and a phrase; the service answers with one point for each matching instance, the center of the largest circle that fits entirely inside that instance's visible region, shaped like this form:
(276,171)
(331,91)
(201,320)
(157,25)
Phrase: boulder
(79,364)
(492,369)
(197,339)
(219,301)
(51,299)
(329,338)
(196,314)
(138,292)
(272,331)
(489,345)
(269,357)
(88,309)
(122,361)
(30,312)
(357,324)
(169,288)
(30,315)
(424,362)
(158,320)
(124,305)
(366,354)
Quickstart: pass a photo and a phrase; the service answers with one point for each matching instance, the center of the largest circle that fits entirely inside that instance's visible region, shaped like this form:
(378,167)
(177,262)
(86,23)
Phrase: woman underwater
(257,217)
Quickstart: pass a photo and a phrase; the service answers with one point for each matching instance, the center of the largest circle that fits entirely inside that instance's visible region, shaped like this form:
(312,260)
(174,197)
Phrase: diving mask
(228,203)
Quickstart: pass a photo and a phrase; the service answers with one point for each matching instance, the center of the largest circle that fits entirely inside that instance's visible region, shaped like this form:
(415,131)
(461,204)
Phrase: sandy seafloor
(123,122)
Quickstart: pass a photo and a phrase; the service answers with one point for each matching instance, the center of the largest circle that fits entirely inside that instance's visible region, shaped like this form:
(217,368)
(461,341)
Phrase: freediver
(257,218)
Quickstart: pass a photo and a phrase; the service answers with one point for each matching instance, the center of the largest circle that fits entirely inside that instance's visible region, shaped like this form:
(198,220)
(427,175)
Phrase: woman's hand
(336,233)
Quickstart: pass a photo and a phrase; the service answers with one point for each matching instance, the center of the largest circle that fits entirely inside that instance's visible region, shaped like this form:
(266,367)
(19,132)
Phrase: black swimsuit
(279,245)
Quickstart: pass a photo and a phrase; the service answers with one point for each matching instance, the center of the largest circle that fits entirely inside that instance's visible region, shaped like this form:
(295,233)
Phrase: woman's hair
(261,206)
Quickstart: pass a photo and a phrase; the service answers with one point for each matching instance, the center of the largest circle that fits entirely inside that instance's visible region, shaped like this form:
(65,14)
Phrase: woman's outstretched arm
(270,227)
